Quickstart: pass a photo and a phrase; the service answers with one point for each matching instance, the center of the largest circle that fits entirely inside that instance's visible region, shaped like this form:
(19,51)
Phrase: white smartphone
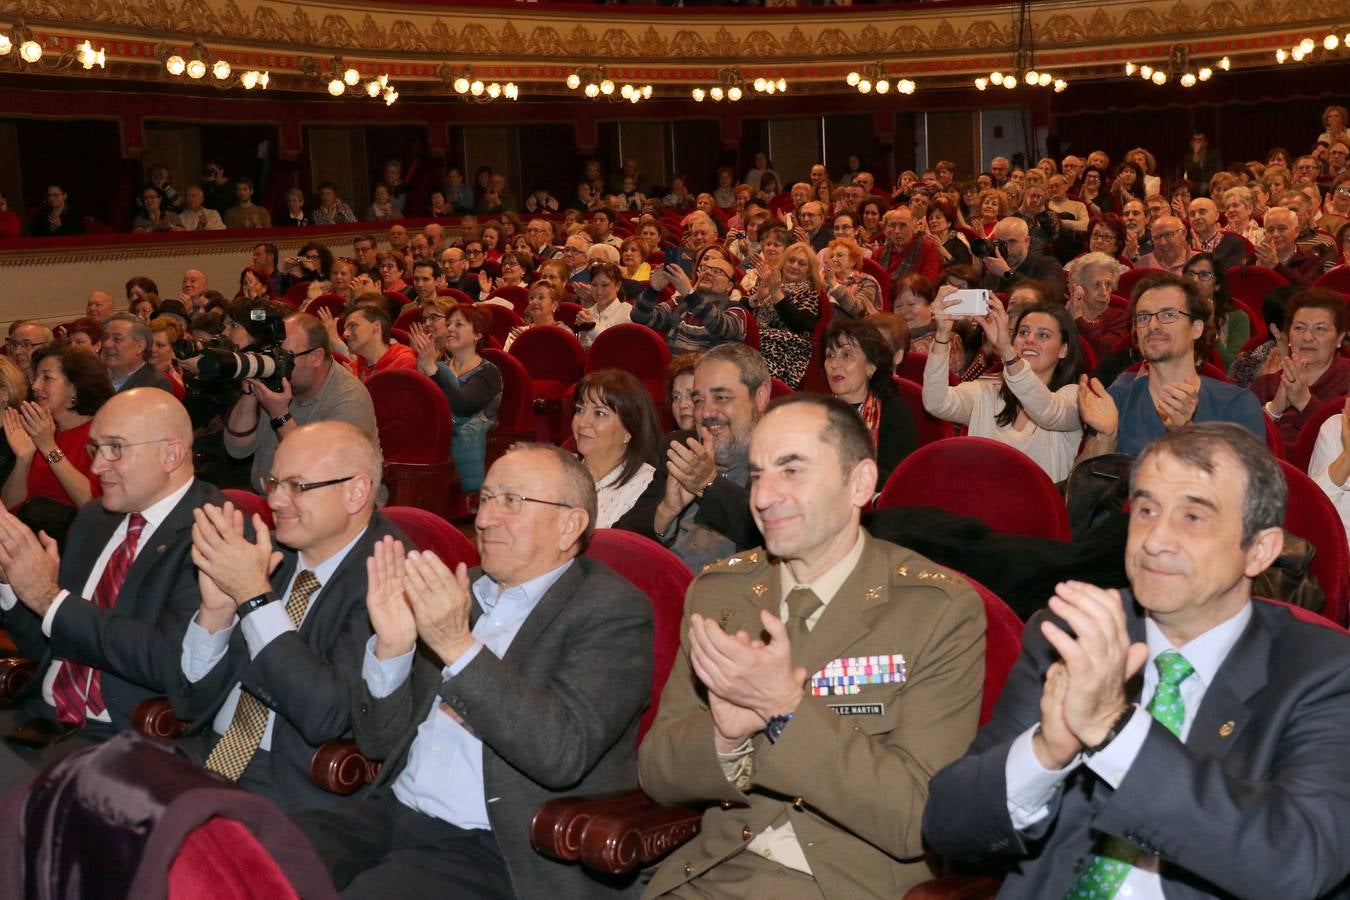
(970,302)
(787,220)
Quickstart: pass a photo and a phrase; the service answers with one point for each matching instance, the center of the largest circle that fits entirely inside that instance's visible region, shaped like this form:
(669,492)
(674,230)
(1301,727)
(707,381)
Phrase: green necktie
(1114,857)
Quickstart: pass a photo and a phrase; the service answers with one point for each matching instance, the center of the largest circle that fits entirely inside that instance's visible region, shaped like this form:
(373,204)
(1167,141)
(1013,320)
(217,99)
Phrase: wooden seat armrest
(154,717)
(15,674)
(340,768)
(956,887)
(623,840)
(558,824)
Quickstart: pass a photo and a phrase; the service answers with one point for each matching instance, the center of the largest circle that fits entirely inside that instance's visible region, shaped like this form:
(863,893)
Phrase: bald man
(99,306)
(1014,261)
(295,631)
(194,285)
(1170,250)
(1206,237)
(105,641)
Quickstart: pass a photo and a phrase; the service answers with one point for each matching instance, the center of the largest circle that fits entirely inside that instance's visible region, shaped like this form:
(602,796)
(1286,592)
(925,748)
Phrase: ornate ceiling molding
(532,43)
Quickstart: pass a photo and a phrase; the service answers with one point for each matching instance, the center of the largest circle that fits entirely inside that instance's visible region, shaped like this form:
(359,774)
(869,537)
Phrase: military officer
(836,676)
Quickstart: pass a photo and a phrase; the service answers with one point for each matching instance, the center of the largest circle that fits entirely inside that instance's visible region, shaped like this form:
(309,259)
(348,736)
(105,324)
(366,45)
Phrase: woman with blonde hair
(787,306)
(1239,206)
(852,290)
(991,205)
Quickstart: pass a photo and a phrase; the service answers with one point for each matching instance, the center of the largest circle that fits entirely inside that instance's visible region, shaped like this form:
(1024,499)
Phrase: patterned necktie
(77,690)
(237,746)
(801,603)
(1111,863)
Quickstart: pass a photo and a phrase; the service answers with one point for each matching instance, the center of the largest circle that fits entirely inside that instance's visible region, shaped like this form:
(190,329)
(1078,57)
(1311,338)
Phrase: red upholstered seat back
(927,427)
(1002,644)
(503,320)
(567,313)
(519,296)
(1312,516)
(397,299)
(873,268)
(1301,456)
(412,415)
(912,367)
(249,503)
(1273,439)
(1338,279)
(636,349)
(814,380)
(984,479)
(1304,615)
(550,354)
(516,413)
(660,575)
(1129,279)
(222,860)
(296,294)
(1250,284)
(458,295)
(408,317)
(429,532)
(331,302)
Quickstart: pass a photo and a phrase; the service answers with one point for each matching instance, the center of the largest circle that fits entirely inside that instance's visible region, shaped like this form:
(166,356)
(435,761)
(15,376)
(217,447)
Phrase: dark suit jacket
(850,772)
(1037,267)
(307,676)
(1230,251)
(557,715)
(135,642)
(146,376)
(1256,803)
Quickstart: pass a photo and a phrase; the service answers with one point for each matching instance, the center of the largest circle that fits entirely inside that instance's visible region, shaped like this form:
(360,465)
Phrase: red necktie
(76,690)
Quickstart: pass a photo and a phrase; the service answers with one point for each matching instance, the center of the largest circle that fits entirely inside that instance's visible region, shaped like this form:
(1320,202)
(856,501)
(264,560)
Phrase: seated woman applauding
(787,307)
(1033,406)
(52,475)
(539,312)
(858,365)
(616,433)
(851,290)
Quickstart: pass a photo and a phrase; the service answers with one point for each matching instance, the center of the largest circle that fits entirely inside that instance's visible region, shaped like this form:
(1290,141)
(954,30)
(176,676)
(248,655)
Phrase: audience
(1313,373)
(244,213)
(55,218)
(853,291)
(540,311)
(606,309)
(126,348)
(858,363)
(614,427)
(680,391)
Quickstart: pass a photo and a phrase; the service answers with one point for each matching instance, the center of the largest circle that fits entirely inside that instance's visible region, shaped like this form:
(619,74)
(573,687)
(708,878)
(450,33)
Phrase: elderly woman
(1073,214)
(332,209)
(540,310)
(513,270)
(680,391)
(446,342)
(144,306)
(992,206)
(1338,206)
(1033,406)
(1335,124)
(1313,374)
(1239,204)
(1092,279)
(1092,191)
(295,215)
(614,425)
(252,284)
(773,243)
(852,291)
(48,434)
(914,295)
(1232,325)
(787,306)
(1128,184)
(154,217)
(85,333)
(858,365)
(1275,180)
(1108,237)
(952,244)
(633,254)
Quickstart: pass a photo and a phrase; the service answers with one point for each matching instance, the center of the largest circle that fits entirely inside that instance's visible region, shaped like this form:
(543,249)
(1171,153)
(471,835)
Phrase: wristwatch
(280,420)
(1116,728)
(773,729)
(249,606)
(54,456)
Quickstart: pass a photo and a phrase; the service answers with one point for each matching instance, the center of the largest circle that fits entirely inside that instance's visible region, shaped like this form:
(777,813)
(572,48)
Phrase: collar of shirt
(826,586)
(324,570)
(520,599)
(154,515)
(118,382)
(1205,653)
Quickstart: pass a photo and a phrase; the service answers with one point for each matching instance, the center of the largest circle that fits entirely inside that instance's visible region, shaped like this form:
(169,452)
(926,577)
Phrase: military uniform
(897,663)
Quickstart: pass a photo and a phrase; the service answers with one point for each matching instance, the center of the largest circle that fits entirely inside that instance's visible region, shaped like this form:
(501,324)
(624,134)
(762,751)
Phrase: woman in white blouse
(1033,405)
(614,425)
(1330,466)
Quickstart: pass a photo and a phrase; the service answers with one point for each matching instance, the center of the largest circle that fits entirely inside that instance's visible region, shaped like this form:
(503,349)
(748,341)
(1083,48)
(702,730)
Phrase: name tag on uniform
(858,709)
(849,675)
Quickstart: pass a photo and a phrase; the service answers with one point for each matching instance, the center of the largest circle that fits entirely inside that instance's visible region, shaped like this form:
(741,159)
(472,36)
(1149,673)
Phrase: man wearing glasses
(696,317)
(268,663)
(1206,236)
(55,218)
(24,338)
(105,620)
(317,391)
(528,685)
(1169,320)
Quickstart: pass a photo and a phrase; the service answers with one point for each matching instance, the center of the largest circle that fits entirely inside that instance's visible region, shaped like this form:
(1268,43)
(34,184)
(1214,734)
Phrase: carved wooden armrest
(956,887)
(557,826)
(547,406)
(625,837)
(339,768)
(154,717)
(15,673)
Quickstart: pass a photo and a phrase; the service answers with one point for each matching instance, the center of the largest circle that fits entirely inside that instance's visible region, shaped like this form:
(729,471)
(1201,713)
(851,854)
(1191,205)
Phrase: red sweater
(399,356)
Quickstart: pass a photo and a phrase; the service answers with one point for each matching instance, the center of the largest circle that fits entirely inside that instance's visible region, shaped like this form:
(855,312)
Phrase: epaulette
(929,575)
(738,563)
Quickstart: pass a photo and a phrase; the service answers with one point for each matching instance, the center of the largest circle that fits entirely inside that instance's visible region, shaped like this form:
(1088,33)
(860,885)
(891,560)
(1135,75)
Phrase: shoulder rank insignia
(873,593)
(760,590)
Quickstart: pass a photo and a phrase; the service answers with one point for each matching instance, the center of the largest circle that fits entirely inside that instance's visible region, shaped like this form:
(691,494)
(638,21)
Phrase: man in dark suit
(268,665)
(126,349)
(102,648)
(529,683)
(1230,780)
(1017,262)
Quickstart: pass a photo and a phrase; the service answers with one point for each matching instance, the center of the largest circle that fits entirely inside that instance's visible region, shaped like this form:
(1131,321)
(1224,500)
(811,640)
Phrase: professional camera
(265,359)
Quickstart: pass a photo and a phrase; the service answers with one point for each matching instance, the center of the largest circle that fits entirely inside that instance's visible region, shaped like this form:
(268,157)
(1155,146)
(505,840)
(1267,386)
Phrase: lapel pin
(873,593)
(760,590)
(1227,728)
(724,618)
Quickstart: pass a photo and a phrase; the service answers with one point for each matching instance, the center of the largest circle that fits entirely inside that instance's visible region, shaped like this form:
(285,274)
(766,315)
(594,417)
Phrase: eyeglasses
(508,502)
(1302,328)
(473,252)
(294,486)
(112,450)
(1166,235)
(432,317)
(13,344)
(1165,317)
(1200,275)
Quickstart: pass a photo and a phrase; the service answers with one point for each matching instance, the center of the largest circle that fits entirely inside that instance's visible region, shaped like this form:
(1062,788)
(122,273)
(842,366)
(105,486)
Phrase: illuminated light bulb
(782,82)
(646,92)
(1331,42)
(1298,53)
(30,51)
(264,79)
(1031,78)
(574,81)
(1010,83)
(336,87)
(981,84)
(1225,64)
(461,85)
(494,90)
(1129,68)
(1307,45)
(1159,77)
(373,89)
(761,85)
(1206,73)
(477,88)
(771,88)
(883,86)
(1146,72)
(5,45)
(996,77)
(906,86)
(196,69)
(606,87)
(512,91)
(351,77)
(390,96)
(1188,80)
(716,93)
(734,93)
(221,70)
(865,86)
(853,79)
(698,94)
(626,91)
(249,80)
(1045,79)
(592,90)
(1060,85)
(1280,55)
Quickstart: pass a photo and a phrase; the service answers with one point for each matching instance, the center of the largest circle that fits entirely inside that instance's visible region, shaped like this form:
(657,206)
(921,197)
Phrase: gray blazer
(557,715)
(1256,803)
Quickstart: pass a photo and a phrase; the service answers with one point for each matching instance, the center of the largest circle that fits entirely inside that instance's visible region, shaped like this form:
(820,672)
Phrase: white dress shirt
(1326,450)
(1031,786)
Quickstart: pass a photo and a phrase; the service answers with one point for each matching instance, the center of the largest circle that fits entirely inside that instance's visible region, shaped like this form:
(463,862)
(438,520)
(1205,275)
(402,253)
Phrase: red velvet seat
(296,294)
(779,389)
(912,367)
(1002,646)
(567,313)
(814,380)
(984,479)
(1338,279)
(415,429)
(555,361)
(927,427)
(397,299)
(1273,439)
(519,297)
(503,320)
(637,350)
(1301,455)
(1125,286)
(221,859)
(250,503)
(1089,355)
(1250,284)
(873,268)
(433,534)
(1312,516)
(409,317)
(515,416)
(458,295)
(334,303)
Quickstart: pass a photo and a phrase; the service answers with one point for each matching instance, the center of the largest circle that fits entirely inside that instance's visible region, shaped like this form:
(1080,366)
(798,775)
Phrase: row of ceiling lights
(873,77)
(32,52)
(1307,47)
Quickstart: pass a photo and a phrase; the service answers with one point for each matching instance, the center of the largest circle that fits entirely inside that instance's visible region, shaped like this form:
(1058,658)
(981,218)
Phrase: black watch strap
(249,606)
(1116,728)
(773,729)
(280,420)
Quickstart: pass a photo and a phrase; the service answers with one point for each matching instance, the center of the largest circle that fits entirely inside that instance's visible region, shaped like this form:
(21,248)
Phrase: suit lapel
(84,557)
(1224,711)
(546,610)
(850,613)
(166,535)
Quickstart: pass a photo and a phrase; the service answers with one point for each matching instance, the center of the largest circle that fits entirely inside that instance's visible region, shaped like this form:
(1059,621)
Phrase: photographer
(1012,260)
(315,390)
